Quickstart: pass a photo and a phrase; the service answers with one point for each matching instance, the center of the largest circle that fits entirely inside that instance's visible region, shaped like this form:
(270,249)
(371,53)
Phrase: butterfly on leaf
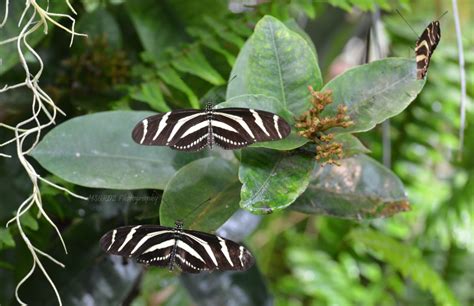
(193,130)
(192,251)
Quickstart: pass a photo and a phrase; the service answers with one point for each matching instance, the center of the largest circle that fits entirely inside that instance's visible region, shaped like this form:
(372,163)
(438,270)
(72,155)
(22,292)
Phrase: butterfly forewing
(239,127)
(167,129)
(425,47)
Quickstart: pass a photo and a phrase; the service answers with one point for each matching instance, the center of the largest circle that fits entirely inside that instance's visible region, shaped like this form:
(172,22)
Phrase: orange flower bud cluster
(313,126)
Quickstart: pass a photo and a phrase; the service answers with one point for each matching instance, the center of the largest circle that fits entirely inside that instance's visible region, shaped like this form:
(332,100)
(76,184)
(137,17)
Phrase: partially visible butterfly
(425,46)
(191,251)
(193,130)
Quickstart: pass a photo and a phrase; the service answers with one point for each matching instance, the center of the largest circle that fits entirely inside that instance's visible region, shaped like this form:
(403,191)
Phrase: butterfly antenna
(442,15)
(406,22)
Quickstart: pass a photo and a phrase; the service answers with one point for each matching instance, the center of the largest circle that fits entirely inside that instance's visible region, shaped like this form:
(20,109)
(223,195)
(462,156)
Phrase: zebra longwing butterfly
(191,251)
(193,130)
(425,46)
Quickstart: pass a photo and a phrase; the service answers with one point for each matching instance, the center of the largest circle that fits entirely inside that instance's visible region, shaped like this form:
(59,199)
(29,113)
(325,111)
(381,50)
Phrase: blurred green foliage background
(160,55)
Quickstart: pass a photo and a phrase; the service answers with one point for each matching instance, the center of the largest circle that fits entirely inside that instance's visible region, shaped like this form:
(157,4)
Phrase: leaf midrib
(282,88)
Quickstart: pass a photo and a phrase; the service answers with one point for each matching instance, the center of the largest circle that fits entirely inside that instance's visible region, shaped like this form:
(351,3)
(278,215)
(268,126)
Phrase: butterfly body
(191,251)
(193,130)
(425,46)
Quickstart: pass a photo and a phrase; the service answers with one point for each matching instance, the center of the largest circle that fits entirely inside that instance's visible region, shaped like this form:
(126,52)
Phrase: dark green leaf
(269,104)
(101,24)
(374,92)
(171,77)
(221,31)
(271,179)
(359,188)
(194,62)
(155,27)
(29,221)
(97,151)
(277,62)
(212,43)
(203,194)
(150,93)
(6,239)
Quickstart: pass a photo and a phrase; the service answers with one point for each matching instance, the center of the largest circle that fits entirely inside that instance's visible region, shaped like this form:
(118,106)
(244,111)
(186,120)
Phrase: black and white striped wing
(235,128)
(149,244)
(425,47)
(184,130)
(211,252)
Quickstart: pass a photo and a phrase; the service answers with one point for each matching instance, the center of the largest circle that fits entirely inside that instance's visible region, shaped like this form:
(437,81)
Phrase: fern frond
(407,260)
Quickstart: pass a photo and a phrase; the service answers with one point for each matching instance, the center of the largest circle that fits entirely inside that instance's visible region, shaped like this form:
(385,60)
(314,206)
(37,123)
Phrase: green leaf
(277,62)
(171,77)
(293,25)
(203,194)
(29,221)
(6,239)
(100,24)
(320,277)
(150,93)
(223,33)
(194,62)
(406,259)
(211,42)
(269,104)
(374,92)
(351,145)
(359,188)
(271,179)
(155,27)
(97,151)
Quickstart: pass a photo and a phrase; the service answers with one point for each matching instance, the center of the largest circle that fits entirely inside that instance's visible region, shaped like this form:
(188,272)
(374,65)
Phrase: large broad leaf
(359,188)
(155,27)
(374,92)
(203,194)
(269,104)
(277,62)
(228,288)
(272,180)
(98,151)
